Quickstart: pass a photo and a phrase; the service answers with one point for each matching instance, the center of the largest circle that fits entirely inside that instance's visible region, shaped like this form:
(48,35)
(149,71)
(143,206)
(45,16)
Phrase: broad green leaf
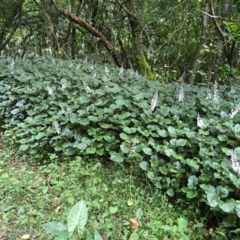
(182,224)
(54,228)
(91,150)
(192,181)
(113,210)
(81,146)
(235,180)
(222,138)
(40,135)
(97,235)
(190,193)
(77,218)
(150,175)
(134,236)
(84,99)
(237,209)
(64,236)
(222,192)
(172,131)
(192,163)
(169,152)
(162,133)
(212,199)
(147,150)
(208,188)
(144,165)
(124,148)
(117,157)
(139,213)
(15,111)
(24,147)
(181,142)
(120,102)
(163,170)
(124,136)
(170,192)
(227,207)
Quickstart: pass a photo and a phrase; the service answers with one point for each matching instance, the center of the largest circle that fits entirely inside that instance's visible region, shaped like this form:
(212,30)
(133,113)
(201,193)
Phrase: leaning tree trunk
(10,24)
(79,21)
(136,28)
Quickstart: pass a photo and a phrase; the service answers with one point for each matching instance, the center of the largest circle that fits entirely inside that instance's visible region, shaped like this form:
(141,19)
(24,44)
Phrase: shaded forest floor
(32,195)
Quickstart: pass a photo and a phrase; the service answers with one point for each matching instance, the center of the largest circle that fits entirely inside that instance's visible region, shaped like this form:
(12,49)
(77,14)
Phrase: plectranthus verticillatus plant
(154,101)
(235,162)
(182,133)
(181,93)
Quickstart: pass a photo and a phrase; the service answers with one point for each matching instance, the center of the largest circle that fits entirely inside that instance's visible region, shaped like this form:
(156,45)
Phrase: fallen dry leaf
(25,237)
(133,222)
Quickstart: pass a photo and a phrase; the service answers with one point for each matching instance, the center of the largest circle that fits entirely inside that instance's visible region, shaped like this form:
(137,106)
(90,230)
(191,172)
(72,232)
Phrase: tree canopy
(164,40)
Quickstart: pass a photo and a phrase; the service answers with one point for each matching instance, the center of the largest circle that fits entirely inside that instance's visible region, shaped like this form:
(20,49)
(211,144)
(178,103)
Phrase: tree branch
(79,21)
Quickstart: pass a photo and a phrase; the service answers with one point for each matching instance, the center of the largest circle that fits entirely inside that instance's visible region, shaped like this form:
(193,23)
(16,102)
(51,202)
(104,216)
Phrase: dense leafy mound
(79,108)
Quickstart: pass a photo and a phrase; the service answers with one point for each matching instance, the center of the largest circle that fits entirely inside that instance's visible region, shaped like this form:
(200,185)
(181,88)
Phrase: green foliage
(77,219)
(177,231)
(47,193)
(55,107)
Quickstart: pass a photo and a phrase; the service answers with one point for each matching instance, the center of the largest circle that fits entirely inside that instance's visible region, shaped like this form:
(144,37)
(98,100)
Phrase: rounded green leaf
(117,157)
(144,165)
(24,147)
(147,150)
(54,228)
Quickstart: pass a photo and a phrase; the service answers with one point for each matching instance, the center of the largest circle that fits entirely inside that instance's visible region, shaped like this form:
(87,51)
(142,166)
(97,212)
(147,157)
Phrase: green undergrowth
(183,138)
(31,196)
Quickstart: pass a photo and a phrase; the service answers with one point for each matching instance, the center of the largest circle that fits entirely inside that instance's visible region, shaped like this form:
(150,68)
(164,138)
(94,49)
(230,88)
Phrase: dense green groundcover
(72,108)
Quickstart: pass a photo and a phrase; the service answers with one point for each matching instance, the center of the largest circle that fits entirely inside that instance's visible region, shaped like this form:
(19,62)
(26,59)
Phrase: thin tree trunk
(5,35)
(79,21)
(228,46)
(136,28)
(195,65)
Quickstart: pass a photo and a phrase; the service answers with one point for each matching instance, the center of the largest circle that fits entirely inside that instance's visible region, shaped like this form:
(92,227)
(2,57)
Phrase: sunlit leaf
(77,218)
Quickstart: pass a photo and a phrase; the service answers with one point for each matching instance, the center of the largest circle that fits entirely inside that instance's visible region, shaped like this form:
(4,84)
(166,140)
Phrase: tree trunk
(9,27)
(77,20)
(136,28)
(195,65)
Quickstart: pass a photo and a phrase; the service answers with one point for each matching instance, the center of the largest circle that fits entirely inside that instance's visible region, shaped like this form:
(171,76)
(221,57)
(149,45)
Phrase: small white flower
(12,64)
(133,144)
(92,67)
(62,108)
(87,88)
(121,70)
(209,95)
(50,91)
(94,74)
(64,86)
(234,111)
(154,100)
(56,125)
(235,162)
(106,70)
(215,91)
(78,66)
(181,94)
(200,122)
